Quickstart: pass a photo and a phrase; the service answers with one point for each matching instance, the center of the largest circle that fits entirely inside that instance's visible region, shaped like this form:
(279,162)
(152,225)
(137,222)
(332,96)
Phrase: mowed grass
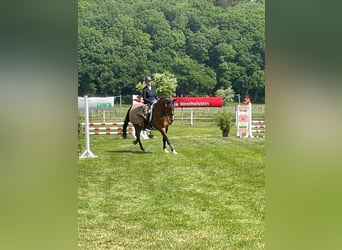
(211,195)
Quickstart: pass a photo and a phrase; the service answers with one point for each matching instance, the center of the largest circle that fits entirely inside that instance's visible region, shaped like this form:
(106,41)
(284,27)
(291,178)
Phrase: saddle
(145,112)
(148,113)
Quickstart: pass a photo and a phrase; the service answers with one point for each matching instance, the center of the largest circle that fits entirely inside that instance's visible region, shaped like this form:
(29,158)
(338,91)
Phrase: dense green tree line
(206,44)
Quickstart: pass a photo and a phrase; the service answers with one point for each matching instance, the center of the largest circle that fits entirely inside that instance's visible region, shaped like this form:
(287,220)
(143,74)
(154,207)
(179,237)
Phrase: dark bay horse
(162,117)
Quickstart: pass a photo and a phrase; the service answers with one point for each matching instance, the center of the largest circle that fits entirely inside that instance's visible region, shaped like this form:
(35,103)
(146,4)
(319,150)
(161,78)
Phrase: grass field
(211,195)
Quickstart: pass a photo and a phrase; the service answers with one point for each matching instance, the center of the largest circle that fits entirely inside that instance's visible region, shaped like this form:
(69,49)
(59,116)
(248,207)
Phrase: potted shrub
(224,121)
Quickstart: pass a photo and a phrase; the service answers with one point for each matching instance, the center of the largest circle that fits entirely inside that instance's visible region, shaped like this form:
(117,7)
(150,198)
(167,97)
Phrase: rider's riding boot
(149,122)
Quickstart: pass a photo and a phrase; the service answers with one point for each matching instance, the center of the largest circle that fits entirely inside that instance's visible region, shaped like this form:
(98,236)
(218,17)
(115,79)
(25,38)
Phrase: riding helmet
(148,78)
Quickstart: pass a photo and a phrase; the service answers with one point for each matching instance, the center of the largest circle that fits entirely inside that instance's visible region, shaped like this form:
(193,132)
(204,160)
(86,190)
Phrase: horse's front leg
(166,140)
(170,145)
(164,145)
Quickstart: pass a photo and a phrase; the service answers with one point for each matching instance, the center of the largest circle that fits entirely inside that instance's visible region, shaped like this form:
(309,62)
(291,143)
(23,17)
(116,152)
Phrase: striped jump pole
(258,128)
(94,127)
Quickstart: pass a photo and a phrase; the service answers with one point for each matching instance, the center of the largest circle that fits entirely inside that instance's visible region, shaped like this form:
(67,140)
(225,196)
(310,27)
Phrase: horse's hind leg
(140,144)
(137,139)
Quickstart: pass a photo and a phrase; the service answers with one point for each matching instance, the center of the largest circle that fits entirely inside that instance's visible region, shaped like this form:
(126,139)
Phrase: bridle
(170,111)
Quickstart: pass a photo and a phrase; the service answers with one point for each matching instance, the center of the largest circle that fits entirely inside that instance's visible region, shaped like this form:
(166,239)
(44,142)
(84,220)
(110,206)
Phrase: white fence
(183,116)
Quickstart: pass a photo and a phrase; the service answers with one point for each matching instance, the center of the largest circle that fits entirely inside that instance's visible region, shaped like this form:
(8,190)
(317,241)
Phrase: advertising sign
(97,102)
(198,102)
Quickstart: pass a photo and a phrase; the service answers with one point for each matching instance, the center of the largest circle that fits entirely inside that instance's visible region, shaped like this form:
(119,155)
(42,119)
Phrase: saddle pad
(136,109)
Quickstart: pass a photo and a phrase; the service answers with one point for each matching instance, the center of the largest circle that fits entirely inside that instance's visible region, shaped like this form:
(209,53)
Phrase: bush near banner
(224,121)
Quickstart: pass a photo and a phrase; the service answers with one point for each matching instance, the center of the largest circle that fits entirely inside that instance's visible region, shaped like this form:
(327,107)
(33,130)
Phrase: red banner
(198,102)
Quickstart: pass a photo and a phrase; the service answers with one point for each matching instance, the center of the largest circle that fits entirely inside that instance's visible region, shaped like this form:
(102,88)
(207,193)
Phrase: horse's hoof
(166,151)
(174,151)
(135,142)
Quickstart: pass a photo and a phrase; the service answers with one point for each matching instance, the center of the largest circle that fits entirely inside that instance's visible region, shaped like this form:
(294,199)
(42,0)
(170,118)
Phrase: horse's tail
(124,127)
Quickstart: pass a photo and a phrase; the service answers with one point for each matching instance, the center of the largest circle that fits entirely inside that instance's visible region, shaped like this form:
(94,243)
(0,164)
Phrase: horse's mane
(163,98)
(168,100)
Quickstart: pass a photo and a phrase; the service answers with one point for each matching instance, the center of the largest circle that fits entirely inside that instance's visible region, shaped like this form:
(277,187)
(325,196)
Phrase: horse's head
(169,109)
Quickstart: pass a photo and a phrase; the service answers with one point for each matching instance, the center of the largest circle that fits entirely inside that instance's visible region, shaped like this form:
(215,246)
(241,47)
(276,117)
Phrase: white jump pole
(87,153)
(103,116)
(250,121)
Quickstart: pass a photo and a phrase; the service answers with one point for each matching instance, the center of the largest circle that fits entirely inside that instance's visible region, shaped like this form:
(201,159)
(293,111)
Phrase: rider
(149,95)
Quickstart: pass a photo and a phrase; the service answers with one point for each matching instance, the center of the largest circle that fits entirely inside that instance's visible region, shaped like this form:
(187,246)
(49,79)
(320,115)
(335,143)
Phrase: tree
(228,94)
(165,84)
(206,45)
(241,55)
(198,46)
(194,79)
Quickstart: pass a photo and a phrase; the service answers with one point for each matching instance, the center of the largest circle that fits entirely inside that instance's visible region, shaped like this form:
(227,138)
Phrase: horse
(162,116)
